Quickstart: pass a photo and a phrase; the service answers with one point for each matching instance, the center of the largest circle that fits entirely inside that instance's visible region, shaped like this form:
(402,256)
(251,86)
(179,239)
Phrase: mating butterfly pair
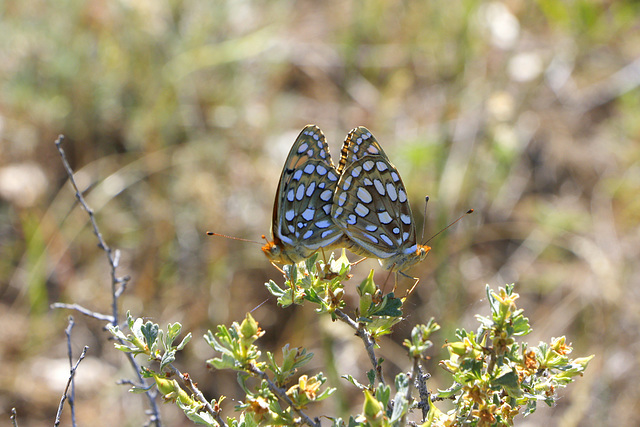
(361,205)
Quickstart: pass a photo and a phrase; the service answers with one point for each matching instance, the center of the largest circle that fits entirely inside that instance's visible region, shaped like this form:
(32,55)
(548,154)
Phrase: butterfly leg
(324,268)
(279,269)
(395,282)
(358,261)
(384,285)
(417,280)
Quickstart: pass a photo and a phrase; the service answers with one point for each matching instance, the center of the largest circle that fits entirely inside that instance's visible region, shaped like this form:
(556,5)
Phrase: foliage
(493,375)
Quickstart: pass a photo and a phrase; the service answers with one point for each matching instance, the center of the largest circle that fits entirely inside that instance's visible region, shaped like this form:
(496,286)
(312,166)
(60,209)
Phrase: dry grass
(178,118)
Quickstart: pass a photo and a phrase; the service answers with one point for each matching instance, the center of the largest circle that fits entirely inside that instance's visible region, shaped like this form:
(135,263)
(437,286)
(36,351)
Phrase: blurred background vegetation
(178,116)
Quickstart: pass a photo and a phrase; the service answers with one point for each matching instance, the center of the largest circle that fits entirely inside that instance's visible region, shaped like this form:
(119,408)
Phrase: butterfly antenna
(448,226)
(211,233)
(259,305)
(424,223)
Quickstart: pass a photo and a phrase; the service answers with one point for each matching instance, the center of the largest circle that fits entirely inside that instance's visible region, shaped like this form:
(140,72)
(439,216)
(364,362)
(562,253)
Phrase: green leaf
(312,296)
(295,358)
(136,329)
(226,362)
(184,342)
(382,325)
(150,332)
(324,394)
(451,391)
(355,382)
(389,306)
(197,415)
(310,263)
(291,271)
(274,289)
(173,330)
(493,303)
(383,393)
(400,403)
(140,390)
(116,332)
(167,357)
(509,382)
(124,348)
(419,342)
(371,376)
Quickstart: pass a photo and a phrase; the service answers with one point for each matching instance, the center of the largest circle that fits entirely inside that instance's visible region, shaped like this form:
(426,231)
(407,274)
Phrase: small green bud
(367,287)
(171,390)
(249,326)
(372,409)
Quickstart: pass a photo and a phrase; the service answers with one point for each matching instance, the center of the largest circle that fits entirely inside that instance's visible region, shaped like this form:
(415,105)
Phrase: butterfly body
(302,221)
(370,205)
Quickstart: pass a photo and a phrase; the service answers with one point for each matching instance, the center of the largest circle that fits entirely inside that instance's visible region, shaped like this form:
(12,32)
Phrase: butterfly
(370,205)
(301,221)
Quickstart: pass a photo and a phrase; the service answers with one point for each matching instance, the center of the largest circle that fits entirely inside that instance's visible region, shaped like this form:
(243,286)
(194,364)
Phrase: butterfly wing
(371,205)
(302,208)
(358,144)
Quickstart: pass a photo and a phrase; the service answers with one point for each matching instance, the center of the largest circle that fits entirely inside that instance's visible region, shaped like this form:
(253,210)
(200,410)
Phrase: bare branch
(72,395)
(412,375)
(366,338)
(186,378)
(118,284)
(65,395)
(83,310)
(112,256)
(421,384)
(126,381)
